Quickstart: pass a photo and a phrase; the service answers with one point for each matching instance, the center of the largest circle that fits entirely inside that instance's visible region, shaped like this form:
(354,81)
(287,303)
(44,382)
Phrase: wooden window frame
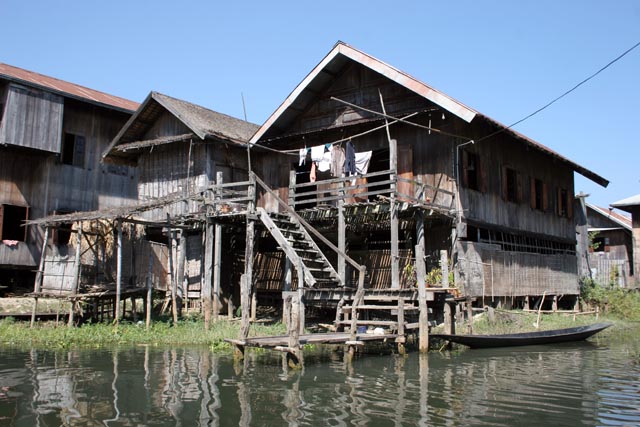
(73,150)
(3,233)
(564,203)
(539,194)
(473,178)
(511,185)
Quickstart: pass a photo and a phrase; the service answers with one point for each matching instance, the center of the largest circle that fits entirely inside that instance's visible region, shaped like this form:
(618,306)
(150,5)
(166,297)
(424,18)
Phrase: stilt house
(52,134)
(436,187)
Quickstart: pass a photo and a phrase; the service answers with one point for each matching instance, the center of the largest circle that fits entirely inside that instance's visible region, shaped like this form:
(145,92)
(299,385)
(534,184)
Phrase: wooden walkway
(318,338)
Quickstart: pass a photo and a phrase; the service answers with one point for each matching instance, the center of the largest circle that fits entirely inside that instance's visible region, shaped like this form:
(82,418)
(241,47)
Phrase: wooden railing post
(292,189)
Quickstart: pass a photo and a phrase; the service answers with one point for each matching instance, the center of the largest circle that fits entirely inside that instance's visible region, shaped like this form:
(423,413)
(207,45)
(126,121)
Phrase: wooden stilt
(449,317)
(217,270)
(37,286)
(149,299)
(172,275)
(180,279)
(469,315)
(247,281)
(208,271)
(444,268)
(423,331)
(401,339)
(116,317)
(286,287)
(76,274)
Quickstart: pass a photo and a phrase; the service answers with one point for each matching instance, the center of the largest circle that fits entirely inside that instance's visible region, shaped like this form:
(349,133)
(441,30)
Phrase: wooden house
(632,206)
(52,134)
(611,246)
(446,189)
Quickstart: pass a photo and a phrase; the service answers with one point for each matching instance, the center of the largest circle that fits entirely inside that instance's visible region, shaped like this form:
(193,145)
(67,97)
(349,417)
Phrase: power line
(564,94)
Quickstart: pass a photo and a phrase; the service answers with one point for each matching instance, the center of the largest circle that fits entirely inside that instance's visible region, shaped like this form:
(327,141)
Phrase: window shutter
(519,187)
(482,175)
(545,197)
(1,219)
(465,168)
(505,184)
(532,187)
(570,201)
(78,151)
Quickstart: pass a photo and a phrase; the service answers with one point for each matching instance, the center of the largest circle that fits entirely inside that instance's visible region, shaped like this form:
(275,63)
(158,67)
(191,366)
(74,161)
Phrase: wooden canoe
(526,338)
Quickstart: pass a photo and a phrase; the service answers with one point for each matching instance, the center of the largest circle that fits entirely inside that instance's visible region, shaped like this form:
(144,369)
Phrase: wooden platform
(320,338)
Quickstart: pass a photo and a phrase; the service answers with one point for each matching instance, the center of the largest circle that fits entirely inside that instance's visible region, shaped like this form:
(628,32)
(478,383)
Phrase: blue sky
(503,58)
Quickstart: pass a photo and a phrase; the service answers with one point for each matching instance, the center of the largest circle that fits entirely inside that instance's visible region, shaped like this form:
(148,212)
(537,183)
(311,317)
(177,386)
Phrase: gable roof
(621,220)
(64,88)
(628,203)
(342,54)
(204,123)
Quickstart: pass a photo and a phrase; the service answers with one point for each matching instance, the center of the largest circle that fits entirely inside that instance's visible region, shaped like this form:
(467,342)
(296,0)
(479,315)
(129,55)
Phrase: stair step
(370,322)
(381,307)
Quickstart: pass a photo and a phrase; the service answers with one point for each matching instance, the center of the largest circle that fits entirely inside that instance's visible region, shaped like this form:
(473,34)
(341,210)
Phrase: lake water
(590,383)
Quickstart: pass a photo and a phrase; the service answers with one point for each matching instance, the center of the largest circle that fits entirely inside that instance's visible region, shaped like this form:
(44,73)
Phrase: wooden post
(444,268)
(172,275)
(292,189)
(76,273)
(149,300)
(470,314)
(246,285)
(423,333)
(393,209)
(217,270)
(182,255)
(294,334)
(449,318)
(37,286)
(395,254)
(286,287)
(342,235)
(217,253)
(116,318)
(208,270)
(301,311)
(401,338)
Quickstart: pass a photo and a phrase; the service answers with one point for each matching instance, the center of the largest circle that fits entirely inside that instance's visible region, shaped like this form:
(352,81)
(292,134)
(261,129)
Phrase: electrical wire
(550,103)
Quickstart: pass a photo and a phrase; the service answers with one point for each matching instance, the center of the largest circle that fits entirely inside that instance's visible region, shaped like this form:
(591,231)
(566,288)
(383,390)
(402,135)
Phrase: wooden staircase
(302,251)
(385,311)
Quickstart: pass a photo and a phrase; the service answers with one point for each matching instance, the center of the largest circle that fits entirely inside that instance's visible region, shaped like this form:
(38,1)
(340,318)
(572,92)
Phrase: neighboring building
(611,246)
(632,205)
(52,134)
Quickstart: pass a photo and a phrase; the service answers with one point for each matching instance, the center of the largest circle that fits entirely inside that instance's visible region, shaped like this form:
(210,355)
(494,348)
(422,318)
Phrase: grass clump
(611,299)
(185,332)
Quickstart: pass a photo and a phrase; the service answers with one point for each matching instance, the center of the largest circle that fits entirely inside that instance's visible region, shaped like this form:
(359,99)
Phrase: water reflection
(590,384)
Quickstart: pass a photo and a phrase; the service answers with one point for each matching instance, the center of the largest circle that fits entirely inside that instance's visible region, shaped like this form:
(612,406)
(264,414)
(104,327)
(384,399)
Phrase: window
(538,195)
(564,203)
(12,222)
(73,147)
(472,174)
(511,185)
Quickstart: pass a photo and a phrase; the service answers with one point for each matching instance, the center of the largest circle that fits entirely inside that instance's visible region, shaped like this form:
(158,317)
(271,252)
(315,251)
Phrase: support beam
(182,255)
(286,287)
(342,236)
(423,333)
(149,299)
(172,275)
(247,281)
(208,272)
(217,270)
(76,273)
(37,286)
(116,317)
(444,268)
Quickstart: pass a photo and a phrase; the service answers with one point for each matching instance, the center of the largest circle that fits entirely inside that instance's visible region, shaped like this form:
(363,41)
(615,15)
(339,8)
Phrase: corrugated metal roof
(620,219)
(628,203)
(341,54)
(204,123)
(30,78)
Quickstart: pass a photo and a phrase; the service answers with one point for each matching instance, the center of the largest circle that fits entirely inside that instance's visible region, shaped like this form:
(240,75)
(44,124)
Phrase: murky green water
(592,383)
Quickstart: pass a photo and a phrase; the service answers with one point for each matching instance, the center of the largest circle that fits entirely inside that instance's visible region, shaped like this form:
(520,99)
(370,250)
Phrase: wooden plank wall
(32,118)
(486,270)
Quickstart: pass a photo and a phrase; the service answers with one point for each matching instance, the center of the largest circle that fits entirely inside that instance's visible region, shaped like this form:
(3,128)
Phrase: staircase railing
(361,268)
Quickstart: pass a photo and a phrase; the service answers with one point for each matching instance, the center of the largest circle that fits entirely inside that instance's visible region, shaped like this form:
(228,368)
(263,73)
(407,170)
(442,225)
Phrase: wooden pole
(149,301)
(182,254)
(286,287)
(401,338)
(217,270)
(37,286)
(449,318)
(217,253)
(118,271)
(208,271)
(76,274)
(172,276)
(300,303)
(342,236)
(423,320)
(245,290)
(246,284)
(444,268)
